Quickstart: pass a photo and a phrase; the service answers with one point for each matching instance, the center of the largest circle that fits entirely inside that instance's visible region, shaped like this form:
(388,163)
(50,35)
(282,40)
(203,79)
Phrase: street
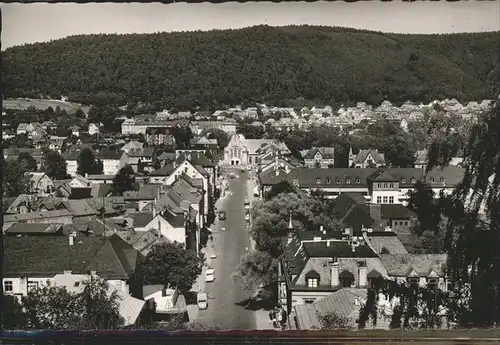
(224,294)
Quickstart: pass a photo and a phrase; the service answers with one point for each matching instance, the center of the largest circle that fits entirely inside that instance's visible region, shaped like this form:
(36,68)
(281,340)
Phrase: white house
(41,184)
(71,158)
(243,152)
(94,128)
(146,221)
(111,161)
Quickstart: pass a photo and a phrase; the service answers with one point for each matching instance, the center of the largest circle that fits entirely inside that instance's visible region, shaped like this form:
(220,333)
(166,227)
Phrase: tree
(282,187)
(271,220)
(123,181)
(472,236)
(333,320)
(87,163)
(249,131)
(27,162)
(221,136)
(183,136)
(256,269)
(54,165)
(14,181)
(170,264)
(53,307)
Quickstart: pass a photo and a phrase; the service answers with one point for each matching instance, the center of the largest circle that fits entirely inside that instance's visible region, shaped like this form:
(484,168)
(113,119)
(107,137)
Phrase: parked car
(210,275)
(213,256)
(247,217)
(222,215)
(202,301)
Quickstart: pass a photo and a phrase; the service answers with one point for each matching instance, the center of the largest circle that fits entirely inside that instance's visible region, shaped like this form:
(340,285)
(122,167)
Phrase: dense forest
(188,70)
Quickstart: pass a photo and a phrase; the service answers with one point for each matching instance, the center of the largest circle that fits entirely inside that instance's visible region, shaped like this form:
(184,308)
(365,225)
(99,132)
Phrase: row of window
(347,281)
(8,286)
(338,180)
(385,199)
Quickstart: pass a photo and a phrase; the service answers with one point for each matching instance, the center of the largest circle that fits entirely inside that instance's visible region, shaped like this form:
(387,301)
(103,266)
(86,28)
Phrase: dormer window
(328,180)
(312,279)
(318,180)
(432,282)
(338,181)
(358,180)
(403,180)
(295,182)
(413,281)
(346,279)
(413,180)
(348,180)
(433,180)
(443,180)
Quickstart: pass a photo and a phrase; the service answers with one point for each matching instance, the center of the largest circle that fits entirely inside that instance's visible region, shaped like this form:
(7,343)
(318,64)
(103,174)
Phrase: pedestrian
(270,317)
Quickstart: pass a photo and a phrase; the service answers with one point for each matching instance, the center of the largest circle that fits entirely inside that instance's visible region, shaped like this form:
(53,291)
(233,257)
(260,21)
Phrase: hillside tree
(123,181)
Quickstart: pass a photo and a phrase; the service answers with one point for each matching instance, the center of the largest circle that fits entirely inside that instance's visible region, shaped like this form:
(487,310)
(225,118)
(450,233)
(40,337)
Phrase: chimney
(334,269)
(362,282)
(375,211)
(71,239)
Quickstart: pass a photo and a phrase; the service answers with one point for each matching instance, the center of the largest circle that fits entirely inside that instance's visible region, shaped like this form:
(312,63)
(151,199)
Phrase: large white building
(244,152)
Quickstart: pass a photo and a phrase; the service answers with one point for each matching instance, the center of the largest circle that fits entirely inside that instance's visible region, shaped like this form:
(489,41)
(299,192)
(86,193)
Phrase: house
(79,187)
(56,143)
(49,125)
(202,162)
(148,194)
(129,308)
(243,152)
(320,157)
(366,159)
(203,143)
(41,184)
(34,229)
(310,271)
(287,164)
(111,161)
(165,302)
(94,128)
(141,159)
(345,302)
(421,159)
(22,128)
(154,222)
(71,158)
(166,157)
(75,130)
(132,145)
(28,264)
(378,185)
(47,217)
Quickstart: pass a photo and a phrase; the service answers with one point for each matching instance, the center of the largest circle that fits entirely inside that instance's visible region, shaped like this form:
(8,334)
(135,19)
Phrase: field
(24,103)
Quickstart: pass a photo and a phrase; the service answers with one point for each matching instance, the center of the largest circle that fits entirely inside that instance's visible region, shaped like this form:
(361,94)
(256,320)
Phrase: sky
(28,23)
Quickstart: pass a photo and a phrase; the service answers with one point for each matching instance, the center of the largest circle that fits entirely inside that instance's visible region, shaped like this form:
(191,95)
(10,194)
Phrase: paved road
(230,246)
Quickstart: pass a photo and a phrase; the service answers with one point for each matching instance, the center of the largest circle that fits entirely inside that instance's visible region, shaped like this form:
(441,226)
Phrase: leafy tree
(14,181)
(256,269)
(54,165)
(123,181)
(282,187)
(27,162)
(221,136)
(183,136)
(414,307)
(53,307)
(333,320)
(422,201)
(249,131)
(87,163)
(170,264)
(271,220)
(472,236)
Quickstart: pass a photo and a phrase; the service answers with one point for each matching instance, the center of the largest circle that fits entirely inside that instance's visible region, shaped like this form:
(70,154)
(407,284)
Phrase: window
(358,180)
(8,286)
(433,180)
(391,185)
(328,180)
(391,200)
(338,181)
(432,282)
(413,180)
(346,279)
(312,282)
(32,286)
(309,300)
(385,185)
(443,180)
(318,180)
(348,180)
(406,222)
(385,199)
(295,182)
(403,180)
(413,281)
(379,199)
(186,169)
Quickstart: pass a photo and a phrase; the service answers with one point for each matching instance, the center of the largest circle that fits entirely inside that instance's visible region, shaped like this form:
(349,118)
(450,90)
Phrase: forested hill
(321,64)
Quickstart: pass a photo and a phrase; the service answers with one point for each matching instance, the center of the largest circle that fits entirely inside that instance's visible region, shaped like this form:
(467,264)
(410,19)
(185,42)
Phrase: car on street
(210,275)
(247,217)
(247,204)
(213,256)
(222,215)
(202,301)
